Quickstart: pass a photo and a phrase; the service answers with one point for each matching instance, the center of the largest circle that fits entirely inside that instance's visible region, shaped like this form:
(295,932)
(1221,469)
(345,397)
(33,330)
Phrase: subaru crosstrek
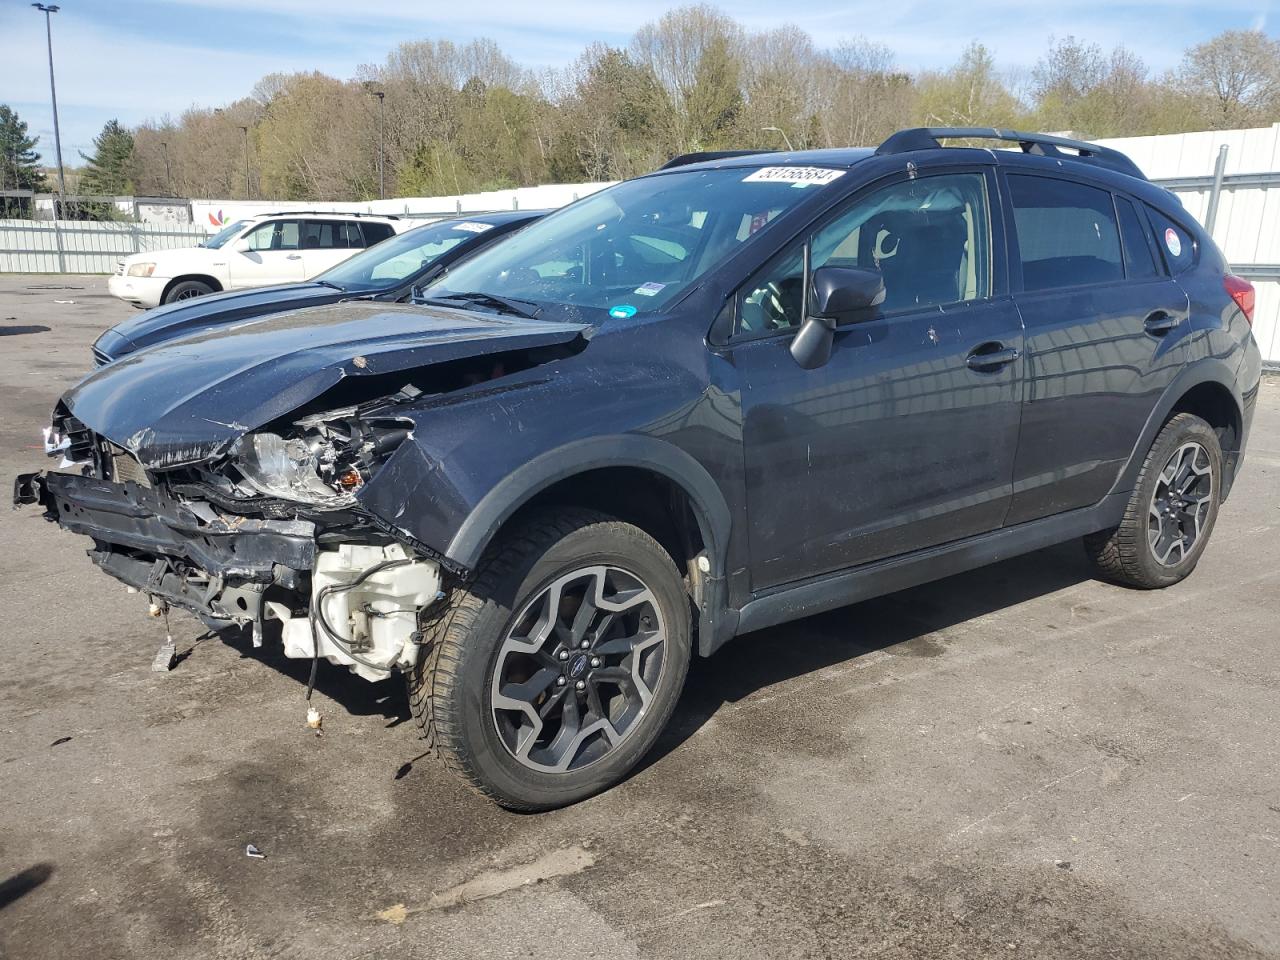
(740,390)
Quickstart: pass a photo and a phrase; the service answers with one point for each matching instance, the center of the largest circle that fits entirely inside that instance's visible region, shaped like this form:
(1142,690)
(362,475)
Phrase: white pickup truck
(257,252)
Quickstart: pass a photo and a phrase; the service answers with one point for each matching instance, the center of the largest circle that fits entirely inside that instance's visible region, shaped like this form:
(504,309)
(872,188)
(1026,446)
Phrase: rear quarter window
(1176,244)
(375,232)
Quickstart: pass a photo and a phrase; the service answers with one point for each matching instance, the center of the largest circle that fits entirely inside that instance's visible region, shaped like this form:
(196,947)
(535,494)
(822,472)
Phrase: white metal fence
(84,246)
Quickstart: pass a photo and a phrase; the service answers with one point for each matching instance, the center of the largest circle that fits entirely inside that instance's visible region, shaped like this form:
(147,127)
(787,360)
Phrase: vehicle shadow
(384,698)
(23,882)
(903,621)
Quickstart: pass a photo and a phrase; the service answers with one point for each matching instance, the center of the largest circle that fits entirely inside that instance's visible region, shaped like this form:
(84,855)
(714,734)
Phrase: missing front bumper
(213,564)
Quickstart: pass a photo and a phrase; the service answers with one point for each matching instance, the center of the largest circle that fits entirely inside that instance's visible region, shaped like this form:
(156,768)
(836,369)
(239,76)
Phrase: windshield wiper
(327,283)
(519,308)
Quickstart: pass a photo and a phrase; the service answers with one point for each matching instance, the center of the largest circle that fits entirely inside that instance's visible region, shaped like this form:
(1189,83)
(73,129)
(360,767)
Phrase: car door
(905,438)
(1103,327)
(326,243)
(269,253)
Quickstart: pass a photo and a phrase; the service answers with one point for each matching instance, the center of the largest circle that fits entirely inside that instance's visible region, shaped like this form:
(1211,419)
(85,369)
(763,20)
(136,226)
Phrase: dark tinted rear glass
(1176,245)
(1139,253)
(1067,233)
(375,232)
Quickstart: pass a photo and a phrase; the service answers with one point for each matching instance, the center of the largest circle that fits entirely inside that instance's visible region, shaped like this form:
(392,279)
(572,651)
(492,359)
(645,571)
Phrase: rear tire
(552,673)
(1170,513)
(186,290)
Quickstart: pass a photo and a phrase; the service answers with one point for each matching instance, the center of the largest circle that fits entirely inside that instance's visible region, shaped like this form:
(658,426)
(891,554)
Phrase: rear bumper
(216,565)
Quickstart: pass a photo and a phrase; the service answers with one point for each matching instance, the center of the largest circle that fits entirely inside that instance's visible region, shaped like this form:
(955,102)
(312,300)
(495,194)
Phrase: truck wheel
(186,290)
(1171,512)
(550,675)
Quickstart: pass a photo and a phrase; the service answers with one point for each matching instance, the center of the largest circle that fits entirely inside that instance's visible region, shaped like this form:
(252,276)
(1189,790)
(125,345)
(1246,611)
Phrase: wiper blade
(520,308)
(326,283)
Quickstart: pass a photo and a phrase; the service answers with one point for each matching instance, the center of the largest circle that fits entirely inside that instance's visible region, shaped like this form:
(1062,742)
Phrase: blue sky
(140,59)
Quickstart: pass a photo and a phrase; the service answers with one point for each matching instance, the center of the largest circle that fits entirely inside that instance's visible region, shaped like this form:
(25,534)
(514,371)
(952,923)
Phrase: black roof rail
(687,158)
(326,213)
(926,138)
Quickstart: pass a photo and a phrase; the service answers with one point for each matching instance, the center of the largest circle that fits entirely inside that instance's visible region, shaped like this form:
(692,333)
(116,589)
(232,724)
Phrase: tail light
(1241,291)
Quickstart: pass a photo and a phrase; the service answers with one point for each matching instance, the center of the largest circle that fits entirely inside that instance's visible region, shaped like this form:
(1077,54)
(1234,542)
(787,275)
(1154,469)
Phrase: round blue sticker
(623,311)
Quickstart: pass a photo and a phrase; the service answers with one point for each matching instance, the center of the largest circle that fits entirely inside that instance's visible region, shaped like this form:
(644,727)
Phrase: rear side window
(1176,245)
(1067,233)
(375,232)
(1139,251)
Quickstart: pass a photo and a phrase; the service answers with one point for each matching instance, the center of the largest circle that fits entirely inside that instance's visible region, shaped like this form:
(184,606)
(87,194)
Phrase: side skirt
(897,573)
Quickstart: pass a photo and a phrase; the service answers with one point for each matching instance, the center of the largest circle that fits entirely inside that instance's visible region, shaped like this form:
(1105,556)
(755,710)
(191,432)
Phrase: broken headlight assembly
(323,460)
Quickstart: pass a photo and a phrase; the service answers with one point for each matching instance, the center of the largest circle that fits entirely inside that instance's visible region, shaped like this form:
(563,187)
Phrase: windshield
(633,248)
(225,234)
(391,262)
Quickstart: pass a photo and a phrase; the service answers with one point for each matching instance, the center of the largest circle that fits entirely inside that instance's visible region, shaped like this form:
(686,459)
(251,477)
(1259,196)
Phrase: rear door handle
(294,256)
(991,356)
(1159,323)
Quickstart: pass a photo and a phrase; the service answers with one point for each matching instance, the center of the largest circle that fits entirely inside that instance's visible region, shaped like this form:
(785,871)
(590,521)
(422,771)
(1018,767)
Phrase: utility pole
(382,150)
(168,178)
(248,191)
(48,9)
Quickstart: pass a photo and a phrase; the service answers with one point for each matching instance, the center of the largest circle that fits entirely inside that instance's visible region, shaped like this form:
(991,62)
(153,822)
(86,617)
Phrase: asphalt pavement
(1016,762)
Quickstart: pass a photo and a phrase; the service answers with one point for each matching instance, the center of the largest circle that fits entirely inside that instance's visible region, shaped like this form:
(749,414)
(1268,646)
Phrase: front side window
(1067,233)
(635,247)
(930,239)
(275,235)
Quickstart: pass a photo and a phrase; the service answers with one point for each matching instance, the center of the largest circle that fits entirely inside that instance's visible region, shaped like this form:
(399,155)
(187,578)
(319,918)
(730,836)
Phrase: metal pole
(382,150)
(785,138)
(248,191)
(168,176)
(1219,168)
(53,94)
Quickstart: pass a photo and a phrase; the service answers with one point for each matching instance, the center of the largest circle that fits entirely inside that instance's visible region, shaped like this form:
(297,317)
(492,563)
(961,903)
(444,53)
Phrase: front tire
(1170,513)
(186,290)
(548,677)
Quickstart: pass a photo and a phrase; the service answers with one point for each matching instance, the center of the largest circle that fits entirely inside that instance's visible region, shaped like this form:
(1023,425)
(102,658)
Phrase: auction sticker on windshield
(472,227)
(801,176)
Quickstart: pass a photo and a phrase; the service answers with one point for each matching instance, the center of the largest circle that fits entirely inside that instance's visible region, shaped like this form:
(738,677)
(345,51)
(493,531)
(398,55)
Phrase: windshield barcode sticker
(798,175)
(472,227)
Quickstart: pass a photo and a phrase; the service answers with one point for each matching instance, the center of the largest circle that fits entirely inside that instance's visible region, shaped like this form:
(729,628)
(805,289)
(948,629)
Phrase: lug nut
(560,681)
(584,644)
(580,685)
(595,661)
(564,654)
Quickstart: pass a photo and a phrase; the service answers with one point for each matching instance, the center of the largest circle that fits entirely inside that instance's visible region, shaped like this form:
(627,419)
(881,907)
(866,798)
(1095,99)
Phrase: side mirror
(836,295)
(241,245)
(845,294)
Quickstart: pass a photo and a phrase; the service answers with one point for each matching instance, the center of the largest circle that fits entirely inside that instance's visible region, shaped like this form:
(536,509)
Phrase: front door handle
(988,357)
(1159,323)
(294,256)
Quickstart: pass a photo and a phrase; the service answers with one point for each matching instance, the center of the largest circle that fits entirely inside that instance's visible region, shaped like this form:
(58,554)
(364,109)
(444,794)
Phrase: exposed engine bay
(271,531)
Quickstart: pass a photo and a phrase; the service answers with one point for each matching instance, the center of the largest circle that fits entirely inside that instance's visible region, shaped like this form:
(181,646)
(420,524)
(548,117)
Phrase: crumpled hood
(188,400)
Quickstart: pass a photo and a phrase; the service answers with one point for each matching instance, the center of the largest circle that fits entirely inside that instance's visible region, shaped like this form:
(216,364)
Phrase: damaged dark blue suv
(740,390)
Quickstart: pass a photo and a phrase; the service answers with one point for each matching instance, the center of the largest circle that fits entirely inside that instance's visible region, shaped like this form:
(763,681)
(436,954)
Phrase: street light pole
(248,191)
(48,9)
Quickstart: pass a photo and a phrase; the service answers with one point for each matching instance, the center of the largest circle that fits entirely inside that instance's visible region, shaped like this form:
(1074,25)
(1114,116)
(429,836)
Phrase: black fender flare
(1208,370)
(710,509)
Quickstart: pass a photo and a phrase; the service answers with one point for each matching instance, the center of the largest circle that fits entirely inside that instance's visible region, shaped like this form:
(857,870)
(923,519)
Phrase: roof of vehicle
(915,139)
(325,214)
(498,218)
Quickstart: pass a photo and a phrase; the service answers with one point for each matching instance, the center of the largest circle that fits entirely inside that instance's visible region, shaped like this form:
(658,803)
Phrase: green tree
(110,170)
(1234,78)
(970,94)
(19,162)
